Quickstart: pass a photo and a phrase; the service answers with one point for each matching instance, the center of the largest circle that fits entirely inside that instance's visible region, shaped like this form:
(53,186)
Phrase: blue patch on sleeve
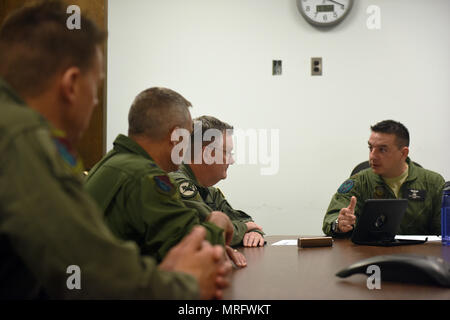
(163,183)
(346,186)
(64,153)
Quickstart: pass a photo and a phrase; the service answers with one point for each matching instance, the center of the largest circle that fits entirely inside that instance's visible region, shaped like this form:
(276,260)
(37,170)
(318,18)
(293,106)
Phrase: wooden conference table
(289,272)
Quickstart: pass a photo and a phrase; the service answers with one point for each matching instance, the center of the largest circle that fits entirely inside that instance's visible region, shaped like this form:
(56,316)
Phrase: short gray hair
(156,111)
(209,122)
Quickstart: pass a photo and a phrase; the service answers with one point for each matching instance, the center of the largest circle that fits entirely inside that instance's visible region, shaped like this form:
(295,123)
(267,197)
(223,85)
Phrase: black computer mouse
(405,268)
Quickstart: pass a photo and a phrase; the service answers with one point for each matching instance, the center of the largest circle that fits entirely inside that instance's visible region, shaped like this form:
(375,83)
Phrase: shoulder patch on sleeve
(346,186)
(163,184)
(187,189)
(69,156)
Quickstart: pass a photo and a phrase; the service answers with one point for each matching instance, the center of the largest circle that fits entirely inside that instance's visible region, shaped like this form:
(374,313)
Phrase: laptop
(379,222)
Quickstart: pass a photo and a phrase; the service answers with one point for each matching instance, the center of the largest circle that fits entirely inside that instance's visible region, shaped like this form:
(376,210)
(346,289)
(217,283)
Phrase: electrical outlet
(316,66)
(276,67)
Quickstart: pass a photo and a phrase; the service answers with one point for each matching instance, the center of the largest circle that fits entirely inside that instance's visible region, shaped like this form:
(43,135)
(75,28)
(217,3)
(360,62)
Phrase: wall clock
(324,13)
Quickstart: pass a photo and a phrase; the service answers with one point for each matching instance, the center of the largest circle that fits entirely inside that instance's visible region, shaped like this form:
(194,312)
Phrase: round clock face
(324,13)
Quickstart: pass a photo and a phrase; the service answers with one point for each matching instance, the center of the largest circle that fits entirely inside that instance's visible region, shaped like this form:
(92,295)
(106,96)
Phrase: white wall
(218,54)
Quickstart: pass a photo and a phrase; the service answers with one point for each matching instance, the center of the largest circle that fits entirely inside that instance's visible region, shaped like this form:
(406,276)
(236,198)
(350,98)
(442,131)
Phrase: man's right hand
(197,257)
(346,218)
(221,220)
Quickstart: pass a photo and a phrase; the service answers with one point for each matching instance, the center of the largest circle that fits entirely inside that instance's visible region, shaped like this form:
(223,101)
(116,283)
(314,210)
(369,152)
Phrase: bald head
(155,112)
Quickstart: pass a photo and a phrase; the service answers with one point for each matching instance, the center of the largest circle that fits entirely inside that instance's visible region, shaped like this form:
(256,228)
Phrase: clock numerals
(324,13)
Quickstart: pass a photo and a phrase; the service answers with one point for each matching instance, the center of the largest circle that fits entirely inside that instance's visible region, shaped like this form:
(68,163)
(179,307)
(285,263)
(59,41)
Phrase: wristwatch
(335,226)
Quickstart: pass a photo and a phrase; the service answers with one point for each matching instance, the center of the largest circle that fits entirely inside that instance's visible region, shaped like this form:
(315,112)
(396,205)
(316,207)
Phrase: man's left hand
(235,256)
(253,239)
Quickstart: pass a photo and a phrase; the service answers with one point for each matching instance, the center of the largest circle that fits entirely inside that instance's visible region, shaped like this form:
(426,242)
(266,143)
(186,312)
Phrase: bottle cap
(447,186)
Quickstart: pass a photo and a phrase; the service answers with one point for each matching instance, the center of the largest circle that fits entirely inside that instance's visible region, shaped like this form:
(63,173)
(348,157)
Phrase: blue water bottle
(445,215)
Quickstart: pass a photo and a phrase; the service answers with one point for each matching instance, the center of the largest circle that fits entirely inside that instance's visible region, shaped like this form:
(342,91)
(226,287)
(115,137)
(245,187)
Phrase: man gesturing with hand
(346,219)
(392,175)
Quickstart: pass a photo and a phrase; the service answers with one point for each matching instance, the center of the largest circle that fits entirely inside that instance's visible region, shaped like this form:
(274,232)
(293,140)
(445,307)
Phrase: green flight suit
(141,203)
(423,189)
(208,199)
(48,223)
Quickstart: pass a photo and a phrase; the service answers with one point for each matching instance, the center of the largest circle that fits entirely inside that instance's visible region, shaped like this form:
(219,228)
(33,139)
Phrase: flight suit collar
(412,171)
(5,89)
(187,171)
(381,186)
(125,144)
(63,146)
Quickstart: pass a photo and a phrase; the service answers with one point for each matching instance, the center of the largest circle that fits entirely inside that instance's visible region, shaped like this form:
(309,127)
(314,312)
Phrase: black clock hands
(337,3)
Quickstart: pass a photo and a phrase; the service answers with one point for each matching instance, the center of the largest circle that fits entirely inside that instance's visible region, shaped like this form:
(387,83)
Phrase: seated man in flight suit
(49,77)
(391,175)
(196,178)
